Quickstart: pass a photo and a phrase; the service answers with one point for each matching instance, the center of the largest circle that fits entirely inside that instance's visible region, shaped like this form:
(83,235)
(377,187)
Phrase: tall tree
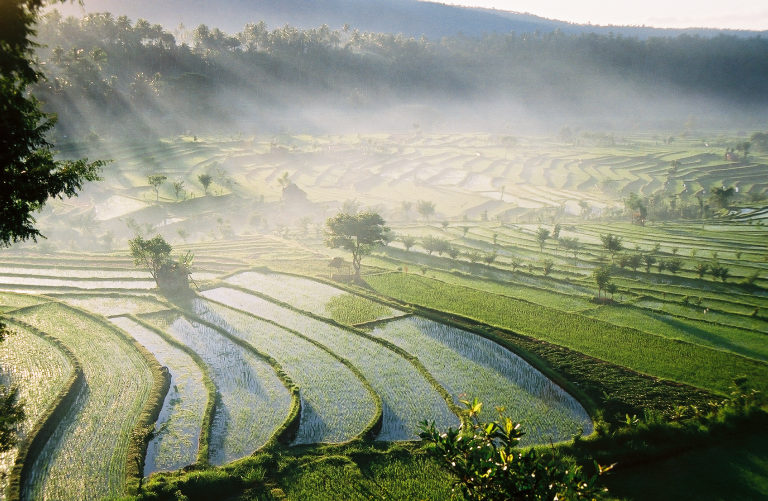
(155,255)
(178,187)
(30,173)
(570,244)
(744,149)
(408,241)
(155,181)
(358,233)
(636,209)
(556,231)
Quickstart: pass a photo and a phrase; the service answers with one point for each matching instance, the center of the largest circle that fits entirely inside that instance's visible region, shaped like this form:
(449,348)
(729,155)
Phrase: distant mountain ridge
(409,17)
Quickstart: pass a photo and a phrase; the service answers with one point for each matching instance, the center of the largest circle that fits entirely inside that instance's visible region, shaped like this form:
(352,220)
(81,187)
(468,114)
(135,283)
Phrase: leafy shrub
(489,466)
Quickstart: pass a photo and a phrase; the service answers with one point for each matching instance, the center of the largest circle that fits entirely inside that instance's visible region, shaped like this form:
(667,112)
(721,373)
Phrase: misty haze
(379,249)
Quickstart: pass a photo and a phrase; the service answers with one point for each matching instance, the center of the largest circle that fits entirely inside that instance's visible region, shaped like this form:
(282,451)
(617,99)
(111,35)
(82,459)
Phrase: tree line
(115,67)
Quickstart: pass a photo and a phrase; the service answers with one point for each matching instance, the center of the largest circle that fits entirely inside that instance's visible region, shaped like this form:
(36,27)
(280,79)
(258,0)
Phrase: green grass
(470,366)
(86,457)
(40,371)
(351,309)
(726,470)
(650,354)
(108,305)
(178,428)
(748,343)
(365,475)
(10,301)
(698,312)
(253,400)
(312,296)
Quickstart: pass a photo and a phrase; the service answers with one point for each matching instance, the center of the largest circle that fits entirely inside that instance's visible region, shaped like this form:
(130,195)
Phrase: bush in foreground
(489,466)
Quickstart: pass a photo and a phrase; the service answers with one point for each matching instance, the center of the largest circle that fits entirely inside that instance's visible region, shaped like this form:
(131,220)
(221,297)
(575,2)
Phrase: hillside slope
(410,17)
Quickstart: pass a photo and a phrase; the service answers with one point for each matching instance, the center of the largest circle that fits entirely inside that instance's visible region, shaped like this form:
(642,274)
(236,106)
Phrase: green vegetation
(253,402)
(41,371)
(102,56)
(297,320)
(351,309)
(357,233)
(489,466)
(739,464)
(30,174)
(476,269)
(171,276)
(313,296)
(94,438)
(174,442)
(392,376)
(650,354)
(603,287)
(336,405)
(468,364)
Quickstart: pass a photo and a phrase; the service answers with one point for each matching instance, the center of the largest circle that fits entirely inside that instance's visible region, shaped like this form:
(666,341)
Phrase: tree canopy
(488,465)
(542,234)
(602,276)
(155,256)
(358,233)
(612,244)
(30,172)
(110,70)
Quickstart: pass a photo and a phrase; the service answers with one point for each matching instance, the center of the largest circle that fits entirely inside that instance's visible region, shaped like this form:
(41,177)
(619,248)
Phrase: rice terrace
(238,309)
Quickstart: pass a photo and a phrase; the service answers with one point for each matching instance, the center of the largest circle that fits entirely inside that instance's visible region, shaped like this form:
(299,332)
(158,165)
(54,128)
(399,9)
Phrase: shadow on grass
(736,469)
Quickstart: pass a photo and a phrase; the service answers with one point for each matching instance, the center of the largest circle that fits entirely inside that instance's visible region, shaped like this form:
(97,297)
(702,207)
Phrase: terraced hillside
(259,359)
(465,176)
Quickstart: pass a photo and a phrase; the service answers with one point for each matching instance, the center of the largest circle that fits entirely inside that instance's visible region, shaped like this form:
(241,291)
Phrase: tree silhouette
(155,256)
(155,181)
(408,241)
(489,257)
(425,208)
(205,180)
(721,196)
(178,188)
(570,244)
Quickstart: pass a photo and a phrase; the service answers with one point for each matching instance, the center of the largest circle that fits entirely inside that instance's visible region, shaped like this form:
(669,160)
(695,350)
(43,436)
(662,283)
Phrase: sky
(731,14)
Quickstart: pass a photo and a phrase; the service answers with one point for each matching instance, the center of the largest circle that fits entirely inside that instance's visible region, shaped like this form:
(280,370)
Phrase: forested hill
(106,74)
(409,17)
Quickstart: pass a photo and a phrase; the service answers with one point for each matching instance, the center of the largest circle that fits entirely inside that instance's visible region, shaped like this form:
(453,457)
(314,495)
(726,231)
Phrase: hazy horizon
(738,15)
